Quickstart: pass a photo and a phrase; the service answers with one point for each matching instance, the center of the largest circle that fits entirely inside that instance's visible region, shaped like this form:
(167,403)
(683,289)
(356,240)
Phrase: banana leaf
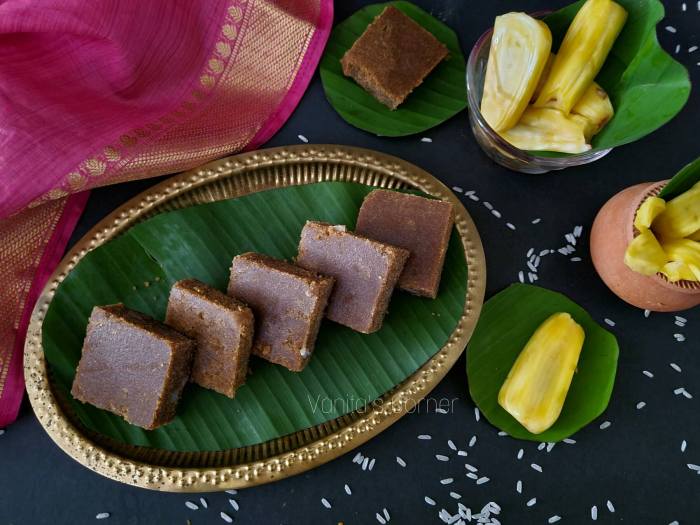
(442,94)
(507,321)
(348,369)
(646,85)
(682,181)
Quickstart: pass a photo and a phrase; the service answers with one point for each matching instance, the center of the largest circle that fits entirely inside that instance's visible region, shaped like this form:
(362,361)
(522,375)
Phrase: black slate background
(637,463)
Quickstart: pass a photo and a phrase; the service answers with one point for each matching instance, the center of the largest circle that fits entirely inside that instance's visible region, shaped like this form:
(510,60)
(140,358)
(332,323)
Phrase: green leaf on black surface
(507,322)
(442,94)
(682,181)
(646,85)
(347,370)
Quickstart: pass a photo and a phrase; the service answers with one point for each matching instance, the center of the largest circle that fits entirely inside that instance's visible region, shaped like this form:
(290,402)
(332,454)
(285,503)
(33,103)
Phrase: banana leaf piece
(442,94)
(347,370)
(507,321)
(682,181)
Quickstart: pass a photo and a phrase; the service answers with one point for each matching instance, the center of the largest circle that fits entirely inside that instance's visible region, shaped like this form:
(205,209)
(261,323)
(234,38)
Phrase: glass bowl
(493,145)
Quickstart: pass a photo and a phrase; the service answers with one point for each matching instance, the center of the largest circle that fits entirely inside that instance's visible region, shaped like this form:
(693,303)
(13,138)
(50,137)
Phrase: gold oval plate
(288,455)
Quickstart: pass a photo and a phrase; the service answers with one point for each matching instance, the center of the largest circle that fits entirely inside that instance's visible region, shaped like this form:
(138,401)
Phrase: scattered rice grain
(191,505)
(380,519)
(535,221)
(684,445)
(531,502)
(594,513)
(510,225)
(675,367)
(429,501)
(641,405)
(441,457)
(670,29)
(605,424)
(325,503)
(371,464)
(482,480)
(569,441)
(536,467)
(347,490)
(472,441)
(365,463)
(520,453)
(519,487)
(226,517)
(647,373)
(610,506)
(446,481)
(204,503)
(476,413)
(609,322)
(102,516)
(234,504)
(426,139)
(455,495)
(400,461)
(462,453)
(303,138)
(425,436)
(554,519)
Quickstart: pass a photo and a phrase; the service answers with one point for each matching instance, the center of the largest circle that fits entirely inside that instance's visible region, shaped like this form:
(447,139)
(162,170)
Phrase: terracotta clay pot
(612,232)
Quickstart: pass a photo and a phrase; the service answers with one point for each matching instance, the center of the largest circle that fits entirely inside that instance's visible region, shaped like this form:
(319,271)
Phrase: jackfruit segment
(684,254)
(647,212)
(645,255)
(543,77)
(520,46)
(545,129)
(677,271)
(582,53)
(681,217)
(596,108)
(537,384)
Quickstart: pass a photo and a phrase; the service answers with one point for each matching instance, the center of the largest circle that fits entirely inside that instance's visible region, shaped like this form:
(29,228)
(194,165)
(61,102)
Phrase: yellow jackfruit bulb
(681,216)
(677,271)
(519,50)
(647,212)
(595,107)
(582,53)
(537,384)
(543,77)
(645,255)
(545,129)
(685,251)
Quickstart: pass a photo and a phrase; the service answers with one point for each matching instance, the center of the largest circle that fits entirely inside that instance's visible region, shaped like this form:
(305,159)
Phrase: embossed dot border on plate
(288,455)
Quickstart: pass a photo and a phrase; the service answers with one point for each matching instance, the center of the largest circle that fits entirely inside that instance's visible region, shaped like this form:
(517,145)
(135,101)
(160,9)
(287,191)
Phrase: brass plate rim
(374,419)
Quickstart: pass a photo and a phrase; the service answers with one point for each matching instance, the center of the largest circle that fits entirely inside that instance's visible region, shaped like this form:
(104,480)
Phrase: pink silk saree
(99,92)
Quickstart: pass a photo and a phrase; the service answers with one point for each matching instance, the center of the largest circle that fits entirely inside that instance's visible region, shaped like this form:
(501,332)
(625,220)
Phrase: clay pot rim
(683,285)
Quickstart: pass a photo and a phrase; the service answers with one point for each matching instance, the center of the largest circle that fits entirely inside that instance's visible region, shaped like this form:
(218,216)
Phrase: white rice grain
(204,503)
(610,506)
(357,458)
(451,444)
(521,276)
(446,481)
(365,463)
(641,405)
(303,138)
(462,453)
(594,513)
(684,445)
(191,505)
(569,441)
(520,453)
(647,373)
(679,337)
(455,495)
(541,446)
(605,424)
(476,413)
(470,468)
(102,516)
(429,501)
(675,367)
(502,434)
(550,446)
(510,225)
(609,322)
(426,139)
(234,504)
(347,490)
(371,464)
(536,467)
(441,457)
(226,517)
(231,491)
(519,487)
(670,29)
(488,205)
(554,519)
(440,411)
(472,441)
(380,518)
(535,221)
(386,514)
(647,313)
(472,475)
(496,214)
(482,480)
(325,503)
(400,461)
(531,502)
(425,436)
